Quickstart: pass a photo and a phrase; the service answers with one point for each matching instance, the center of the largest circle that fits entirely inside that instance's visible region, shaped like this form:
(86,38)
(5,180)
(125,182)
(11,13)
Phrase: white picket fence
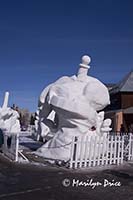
(88,151)
(10,147)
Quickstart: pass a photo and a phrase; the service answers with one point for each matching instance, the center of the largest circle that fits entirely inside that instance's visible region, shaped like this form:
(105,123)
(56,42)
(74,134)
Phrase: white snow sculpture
(9,117)
(75,101)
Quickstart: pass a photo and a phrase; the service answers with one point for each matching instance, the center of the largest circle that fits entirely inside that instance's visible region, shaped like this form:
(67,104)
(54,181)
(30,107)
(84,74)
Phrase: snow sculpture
(75,101)
(9,117)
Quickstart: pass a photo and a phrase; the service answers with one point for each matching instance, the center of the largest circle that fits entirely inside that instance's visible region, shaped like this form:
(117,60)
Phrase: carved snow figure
(9,117)
(75,101)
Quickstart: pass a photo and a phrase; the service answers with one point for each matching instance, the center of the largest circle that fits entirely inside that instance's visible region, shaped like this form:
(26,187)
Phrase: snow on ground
(26,141)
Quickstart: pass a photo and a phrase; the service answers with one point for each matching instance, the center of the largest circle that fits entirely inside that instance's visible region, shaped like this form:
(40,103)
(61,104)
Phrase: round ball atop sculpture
(85,61)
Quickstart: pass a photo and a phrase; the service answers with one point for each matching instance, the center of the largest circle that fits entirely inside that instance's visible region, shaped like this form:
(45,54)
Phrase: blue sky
(43,40)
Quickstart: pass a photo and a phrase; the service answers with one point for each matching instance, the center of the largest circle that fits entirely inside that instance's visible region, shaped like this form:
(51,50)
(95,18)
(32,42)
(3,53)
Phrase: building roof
(128,110)
(125,85)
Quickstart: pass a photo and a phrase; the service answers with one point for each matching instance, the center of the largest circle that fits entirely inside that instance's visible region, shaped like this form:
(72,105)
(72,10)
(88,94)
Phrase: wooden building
(121,108)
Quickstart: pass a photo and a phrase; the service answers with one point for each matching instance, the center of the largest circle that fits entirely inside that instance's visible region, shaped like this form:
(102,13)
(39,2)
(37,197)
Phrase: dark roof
(128,110)
(125,85)
(125,111)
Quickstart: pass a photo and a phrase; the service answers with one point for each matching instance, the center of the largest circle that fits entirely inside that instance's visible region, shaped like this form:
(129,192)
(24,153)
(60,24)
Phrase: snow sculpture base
(75,101)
